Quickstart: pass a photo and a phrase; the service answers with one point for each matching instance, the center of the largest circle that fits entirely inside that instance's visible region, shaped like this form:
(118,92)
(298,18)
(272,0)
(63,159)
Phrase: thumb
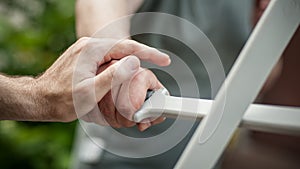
(115,75)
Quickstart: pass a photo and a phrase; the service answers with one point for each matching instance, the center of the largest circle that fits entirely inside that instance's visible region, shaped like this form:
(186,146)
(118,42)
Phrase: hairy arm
(19,99)
(54,95)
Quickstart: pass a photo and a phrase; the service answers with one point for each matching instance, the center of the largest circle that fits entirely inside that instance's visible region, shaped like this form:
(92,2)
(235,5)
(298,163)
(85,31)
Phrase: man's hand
(71,88)
(119,105)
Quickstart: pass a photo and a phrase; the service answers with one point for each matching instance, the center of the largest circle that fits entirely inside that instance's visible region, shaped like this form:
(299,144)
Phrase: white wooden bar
(268,118)
(263,49)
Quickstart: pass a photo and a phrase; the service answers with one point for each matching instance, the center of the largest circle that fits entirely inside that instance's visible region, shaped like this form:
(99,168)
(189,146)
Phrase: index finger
(130,47)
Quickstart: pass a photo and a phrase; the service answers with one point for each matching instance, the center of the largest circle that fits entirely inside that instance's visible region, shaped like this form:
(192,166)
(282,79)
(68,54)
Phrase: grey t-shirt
(227,25)
(225,22)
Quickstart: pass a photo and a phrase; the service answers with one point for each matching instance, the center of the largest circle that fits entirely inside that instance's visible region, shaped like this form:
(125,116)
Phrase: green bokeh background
(33,33)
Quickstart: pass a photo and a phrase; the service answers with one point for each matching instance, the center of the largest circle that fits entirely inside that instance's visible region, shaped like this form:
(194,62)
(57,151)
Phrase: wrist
(44,110)
(55,100)
(18,98)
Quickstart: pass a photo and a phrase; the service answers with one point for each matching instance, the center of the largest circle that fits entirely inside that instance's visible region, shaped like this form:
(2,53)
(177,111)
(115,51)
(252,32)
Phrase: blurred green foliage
(32,35)
(35,145)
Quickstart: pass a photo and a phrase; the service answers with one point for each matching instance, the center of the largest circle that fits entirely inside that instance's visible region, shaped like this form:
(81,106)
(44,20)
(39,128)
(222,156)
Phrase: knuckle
(82,41)
(88,44)
(149,73)
(84,90)
(142,76)
(139,77)
(80,44)
(149,76)
(124,109)
(131,45)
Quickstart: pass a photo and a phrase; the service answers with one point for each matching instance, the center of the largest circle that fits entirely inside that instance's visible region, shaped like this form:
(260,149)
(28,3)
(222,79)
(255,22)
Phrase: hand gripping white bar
(275,119)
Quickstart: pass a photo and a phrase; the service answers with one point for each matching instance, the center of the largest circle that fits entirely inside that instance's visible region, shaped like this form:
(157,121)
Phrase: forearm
(18,100)
(94,15)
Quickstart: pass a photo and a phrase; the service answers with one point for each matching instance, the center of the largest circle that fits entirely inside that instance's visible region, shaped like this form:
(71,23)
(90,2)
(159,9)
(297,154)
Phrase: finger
(115,75)
(124,108)
(158,121)
(107,108)
(124,122)
(144,125)
(95,116)
(121,120)
(143,81)
(143,52)
(107,104)
(132,95)
(105,66)
(92,52)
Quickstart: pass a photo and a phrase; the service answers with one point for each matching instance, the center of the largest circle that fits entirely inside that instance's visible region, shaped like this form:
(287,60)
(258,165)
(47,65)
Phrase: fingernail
(169,60)
(166,56)
(145,126)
